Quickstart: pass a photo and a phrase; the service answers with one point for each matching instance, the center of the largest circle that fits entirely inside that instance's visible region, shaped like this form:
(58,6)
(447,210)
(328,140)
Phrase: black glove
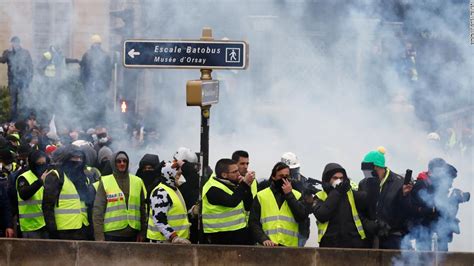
(327,187)
(343,187)
(383,228)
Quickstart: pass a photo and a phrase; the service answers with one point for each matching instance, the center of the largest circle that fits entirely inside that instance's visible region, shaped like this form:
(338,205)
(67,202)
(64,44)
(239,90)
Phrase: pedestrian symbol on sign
(232,55)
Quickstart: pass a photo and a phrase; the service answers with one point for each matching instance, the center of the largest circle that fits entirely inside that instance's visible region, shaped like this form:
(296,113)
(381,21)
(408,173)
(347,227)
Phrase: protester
(168,221)
(389,202)
(30,196)
(20,74)
(119,207)
(226,197)
(67,194)
(435,208)
(336,210)
(277,210)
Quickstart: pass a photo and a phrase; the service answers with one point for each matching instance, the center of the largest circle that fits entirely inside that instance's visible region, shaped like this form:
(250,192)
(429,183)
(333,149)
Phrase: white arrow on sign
(132,53)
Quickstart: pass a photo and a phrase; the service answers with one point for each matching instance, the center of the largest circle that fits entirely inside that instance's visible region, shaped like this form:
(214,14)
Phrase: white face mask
(337,182)
(181,180)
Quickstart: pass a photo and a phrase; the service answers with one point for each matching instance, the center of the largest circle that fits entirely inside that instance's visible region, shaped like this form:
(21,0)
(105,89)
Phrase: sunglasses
(121,161)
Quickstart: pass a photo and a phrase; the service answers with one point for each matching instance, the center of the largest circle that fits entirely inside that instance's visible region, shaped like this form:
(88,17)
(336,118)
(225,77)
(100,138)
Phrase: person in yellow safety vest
(277,210)
(29,187)
(300,183)
(119,207)
(242,159)
(225,198)
(336,210)
(168,220)
(66,196)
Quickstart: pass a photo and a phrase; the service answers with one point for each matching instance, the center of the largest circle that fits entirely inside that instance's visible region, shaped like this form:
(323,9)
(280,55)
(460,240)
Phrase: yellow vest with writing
(119,214)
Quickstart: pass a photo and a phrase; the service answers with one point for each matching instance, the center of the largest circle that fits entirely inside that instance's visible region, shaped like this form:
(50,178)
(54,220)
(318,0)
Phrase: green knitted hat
(375,157)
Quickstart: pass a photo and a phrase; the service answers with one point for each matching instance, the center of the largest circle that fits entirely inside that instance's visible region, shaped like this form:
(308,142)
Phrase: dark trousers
(76,234)
(38,234)
(237,237)
(120,238)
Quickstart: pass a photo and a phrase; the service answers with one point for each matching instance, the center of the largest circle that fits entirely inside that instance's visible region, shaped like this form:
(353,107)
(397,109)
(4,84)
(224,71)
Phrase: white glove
(180,240)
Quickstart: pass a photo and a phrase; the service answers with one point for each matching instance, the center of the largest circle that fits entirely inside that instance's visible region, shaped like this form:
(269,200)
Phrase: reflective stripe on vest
(30,211)
(218,218)
(278,224)
(322,227)
(117,214)
(177,216)
(68,212)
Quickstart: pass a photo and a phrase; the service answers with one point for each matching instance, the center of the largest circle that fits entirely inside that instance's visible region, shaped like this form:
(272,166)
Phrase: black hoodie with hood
(26,190)
(336,210)
(150,178)
(100,205)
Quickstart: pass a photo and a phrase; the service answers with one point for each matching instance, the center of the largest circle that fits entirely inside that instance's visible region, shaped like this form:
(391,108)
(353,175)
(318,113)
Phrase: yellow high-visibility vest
(30,211)
(70,212)
(119,214)
(177,216)
(218,218)
(278,224)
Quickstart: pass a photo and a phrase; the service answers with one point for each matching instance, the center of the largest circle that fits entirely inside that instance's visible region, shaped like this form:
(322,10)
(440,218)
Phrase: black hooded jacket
(150,178)
(26,190)
(336,210)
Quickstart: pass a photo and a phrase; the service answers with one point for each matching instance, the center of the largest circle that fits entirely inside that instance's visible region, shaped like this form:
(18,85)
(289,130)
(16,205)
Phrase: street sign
(185,54)
(202,92)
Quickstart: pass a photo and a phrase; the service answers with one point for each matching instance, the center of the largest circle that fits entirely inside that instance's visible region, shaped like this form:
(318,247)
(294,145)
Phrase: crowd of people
(76,187)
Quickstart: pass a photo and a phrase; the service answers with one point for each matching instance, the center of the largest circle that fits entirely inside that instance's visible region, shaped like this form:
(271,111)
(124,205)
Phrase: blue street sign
(185,54)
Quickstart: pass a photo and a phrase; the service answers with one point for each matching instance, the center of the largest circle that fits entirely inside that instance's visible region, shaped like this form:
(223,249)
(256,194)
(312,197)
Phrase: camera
(310,187)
